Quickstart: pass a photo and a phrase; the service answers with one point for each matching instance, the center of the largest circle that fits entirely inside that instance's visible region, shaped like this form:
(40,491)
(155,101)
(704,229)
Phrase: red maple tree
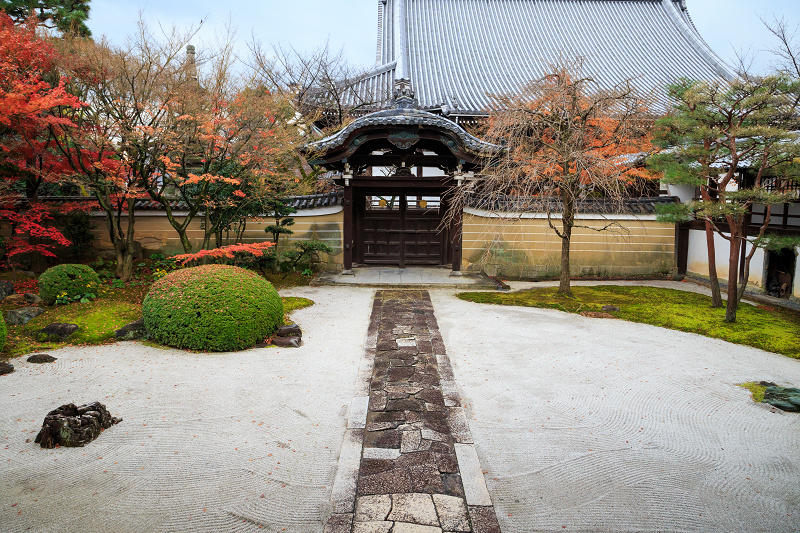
(27,126)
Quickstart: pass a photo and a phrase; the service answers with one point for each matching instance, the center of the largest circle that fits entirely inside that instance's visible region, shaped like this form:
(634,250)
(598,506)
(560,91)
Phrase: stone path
(408,464)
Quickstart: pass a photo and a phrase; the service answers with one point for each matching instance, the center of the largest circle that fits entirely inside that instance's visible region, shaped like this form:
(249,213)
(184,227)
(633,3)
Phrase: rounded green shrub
(67,280)
(218,308)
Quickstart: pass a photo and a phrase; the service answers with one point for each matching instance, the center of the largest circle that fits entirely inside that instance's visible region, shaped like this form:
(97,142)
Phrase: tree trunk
(180,228)
(567,221)
(733,275)
(125,247)
(716,296)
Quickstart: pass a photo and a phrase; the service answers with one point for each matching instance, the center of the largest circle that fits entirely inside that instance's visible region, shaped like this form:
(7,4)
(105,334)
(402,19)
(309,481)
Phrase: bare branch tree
(328,90)
(568,144)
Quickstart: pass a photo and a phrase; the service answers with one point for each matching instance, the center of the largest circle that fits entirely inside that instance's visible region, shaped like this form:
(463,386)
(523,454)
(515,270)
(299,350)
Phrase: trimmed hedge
(72,280)
(217,308)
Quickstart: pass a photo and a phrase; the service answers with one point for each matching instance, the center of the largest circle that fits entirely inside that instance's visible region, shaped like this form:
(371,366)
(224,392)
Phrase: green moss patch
(757,390)
(773,330)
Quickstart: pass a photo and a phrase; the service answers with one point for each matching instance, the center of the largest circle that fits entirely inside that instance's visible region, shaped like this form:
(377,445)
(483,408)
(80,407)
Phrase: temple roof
(459,52)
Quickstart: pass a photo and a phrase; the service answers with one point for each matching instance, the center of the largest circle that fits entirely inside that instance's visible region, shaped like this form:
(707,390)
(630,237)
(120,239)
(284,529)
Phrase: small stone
(40,358)
(609,308)
(373,508)
(129,332)
(415,528)
(23,315)
(287,342)
(58,331)
(338,523)
(430,434)
(31,298)
(292,330)
(372,527)
(413,508)
(410,441)
(6,368)
(6,289)
(453,513)
(385,482)
(484,519)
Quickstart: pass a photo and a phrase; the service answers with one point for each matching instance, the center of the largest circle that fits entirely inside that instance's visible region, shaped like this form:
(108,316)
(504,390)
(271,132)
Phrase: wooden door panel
(399,235)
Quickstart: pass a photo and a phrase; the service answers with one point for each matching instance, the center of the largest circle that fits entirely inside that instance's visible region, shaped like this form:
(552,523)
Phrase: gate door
(402,230)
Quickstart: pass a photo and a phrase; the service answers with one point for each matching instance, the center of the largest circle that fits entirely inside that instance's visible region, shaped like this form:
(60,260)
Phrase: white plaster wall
(698,258)
(685,192)
(796,291)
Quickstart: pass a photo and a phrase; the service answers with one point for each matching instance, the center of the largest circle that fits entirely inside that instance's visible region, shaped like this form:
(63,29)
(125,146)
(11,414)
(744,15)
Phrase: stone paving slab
(410,475)
(406,278)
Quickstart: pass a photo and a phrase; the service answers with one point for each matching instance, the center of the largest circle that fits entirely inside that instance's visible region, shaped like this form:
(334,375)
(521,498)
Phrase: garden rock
(287,342)
(31,298)
(129,332)
(16,299)
(21,316)
(783,398)
(40,358)
(70,425)
(6,368)
(6,289)
(609,308)
(57,331)
(289,331)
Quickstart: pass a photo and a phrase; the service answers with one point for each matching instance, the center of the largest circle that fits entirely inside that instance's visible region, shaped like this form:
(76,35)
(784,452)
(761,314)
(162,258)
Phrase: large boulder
(132,331)
(31,298)
(23,315)
(6,289)
(56,332)
(6,368)
(41,358)
(787,399)
(292,330)
(71,425)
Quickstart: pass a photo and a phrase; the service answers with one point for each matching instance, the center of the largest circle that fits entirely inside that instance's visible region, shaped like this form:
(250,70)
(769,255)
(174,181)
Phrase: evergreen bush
(69,281)
(213,307)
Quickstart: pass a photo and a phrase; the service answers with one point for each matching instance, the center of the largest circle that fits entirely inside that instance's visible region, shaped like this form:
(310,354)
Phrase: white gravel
(581,425)
(213,442)
(588,424)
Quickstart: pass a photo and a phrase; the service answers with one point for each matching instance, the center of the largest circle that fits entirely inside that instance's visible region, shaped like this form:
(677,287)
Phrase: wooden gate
(401,229)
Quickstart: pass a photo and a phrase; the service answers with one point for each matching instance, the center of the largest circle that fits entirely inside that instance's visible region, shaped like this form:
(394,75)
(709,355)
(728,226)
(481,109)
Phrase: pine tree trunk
(733,277)
(716,294)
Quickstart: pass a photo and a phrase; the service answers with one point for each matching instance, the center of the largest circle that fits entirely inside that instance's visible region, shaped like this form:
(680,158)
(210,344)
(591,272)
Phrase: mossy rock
(68,280)
(212,308)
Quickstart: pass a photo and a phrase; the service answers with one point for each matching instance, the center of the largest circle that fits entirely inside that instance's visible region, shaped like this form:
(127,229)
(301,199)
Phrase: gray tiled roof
(311,201)
(636,206)
(457,52)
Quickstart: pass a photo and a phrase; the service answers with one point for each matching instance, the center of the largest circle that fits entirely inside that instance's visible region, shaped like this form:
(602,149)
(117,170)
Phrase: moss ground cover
(756,389)
(293,303)
(774,330)
(98,320)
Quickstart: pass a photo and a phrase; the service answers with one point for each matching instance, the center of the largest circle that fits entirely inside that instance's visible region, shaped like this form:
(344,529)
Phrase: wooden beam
(347,230)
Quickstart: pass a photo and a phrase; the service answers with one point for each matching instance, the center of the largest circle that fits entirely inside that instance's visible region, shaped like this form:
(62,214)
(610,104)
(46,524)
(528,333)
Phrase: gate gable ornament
(403,139)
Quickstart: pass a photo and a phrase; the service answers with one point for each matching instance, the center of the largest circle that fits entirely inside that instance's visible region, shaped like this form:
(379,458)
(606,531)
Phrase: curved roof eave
(405,117)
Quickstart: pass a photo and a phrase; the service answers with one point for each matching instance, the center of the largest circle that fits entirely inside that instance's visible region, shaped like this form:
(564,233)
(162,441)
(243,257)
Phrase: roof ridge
(685,19)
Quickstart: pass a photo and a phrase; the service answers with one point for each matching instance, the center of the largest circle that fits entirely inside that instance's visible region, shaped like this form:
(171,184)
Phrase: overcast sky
(728,26)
